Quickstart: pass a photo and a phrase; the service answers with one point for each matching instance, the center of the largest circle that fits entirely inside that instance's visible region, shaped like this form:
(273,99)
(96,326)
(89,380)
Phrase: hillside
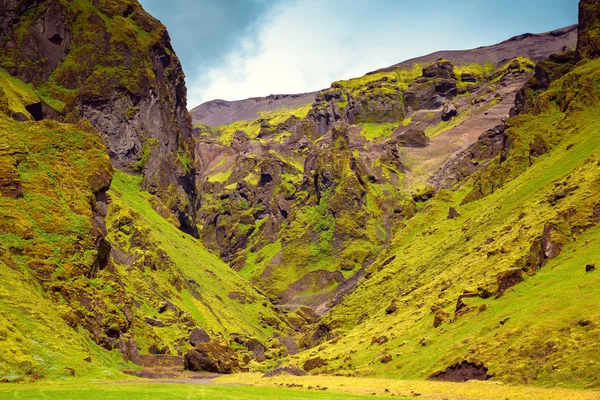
(532,46)
(284,195)
(436,220)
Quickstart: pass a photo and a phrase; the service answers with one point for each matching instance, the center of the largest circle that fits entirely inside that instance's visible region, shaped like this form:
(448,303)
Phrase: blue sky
(234,49)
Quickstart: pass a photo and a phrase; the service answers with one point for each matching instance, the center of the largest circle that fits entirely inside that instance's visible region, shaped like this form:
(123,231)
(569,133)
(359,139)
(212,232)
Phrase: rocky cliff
(111,63)
(301,199)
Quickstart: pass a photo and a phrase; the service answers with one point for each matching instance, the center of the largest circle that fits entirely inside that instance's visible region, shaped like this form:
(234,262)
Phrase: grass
(438,259)
(376,387)
(149,390)
(378,131)
(213,310)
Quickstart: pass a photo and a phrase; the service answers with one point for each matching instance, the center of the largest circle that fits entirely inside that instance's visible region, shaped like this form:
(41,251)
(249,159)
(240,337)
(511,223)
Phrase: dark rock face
(588,43)
(199,336)
(462,372)
(212,356)
(142,115)
(128,348)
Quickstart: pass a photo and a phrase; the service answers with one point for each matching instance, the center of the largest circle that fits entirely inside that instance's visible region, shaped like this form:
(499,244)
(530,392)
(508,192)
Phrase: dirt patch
(462,372)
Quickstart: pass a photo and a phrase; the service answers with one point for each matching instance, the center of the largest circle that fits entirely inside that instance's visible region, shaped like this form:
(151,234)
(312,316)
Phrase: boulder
(285,370)
(313,363)
(590,267)
(392,307)
(449,112)
(468,77)
(199,336)
(453,213)
(213,356)
(439,69)
(412,138)
(257,348)
(386,358)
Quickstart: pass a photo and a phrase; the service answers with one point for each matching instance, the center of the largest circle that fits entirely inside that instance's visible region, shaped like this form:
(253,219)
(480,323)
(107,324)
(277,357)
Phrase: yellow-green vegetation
(208,300)
(504,284)
(15,95)
(147,389)
(395,388)
(378,131)
(379,81)
(48,174)
(225,133)
(523,64)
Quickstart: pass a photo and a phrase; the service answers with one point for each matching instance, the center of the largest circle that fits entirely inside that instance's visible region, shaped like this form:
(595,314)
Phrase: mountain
(532,46)
(112,64)
(221,112)
(437,219)
(302,199)
(96,274)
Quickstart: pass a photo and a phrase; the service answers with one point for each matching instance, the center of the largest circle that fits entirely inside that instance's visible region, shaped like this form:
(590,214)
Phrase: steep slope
(71,288)
(497,277)
(94,281)
(111,63)
(302,199)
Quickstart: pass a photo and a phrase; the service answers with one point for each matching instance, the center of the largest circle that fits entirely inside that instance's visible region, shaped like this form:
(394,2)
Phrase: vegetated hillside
(92,280)
(111,63)
(496,275)
(78,293)
(302,200)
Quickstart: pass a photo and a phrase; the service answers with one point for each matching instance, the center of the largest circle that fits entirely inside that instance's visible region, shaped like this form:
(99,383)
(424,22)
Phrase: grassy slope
(48,292)
(45,236)
(214,310)
(439,259)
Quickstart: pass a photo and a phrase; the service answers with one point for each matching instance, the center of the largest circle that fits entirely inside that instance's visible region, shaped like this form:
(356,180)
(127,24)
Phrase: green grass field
(254,387)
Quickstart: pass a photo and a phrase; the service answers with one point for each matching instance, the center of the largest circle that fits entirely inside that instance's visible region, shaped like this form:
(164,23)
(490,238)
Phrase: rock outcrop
(129,85)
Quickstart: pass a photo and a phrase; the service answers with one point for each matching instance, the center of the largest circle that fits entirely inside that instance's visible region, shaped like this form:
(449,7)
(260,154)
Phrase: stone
(392,307)
(313,363)
(285,370)
(199,336)
(439,69)
(449,112)
(453,213)
(386,358)
(154,322)
(257,348)
(412,138)
(468,77)
(590,267)
(214,356)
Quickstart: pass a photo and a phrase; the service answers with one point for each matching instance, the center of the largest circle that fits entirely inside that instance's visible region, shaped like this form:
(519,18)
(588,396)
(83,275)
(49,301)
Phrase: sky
(235,49)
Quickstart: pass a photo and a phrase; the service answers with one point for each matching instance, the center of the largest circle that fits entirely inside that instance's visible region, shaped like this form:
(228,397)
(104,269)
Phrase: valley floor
(253,386)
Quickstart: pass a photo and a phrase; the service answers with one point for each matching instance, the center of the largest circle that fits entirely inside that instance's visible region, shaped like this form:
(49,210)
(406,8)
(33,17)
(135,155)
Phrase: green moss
(377,131)
(147,147)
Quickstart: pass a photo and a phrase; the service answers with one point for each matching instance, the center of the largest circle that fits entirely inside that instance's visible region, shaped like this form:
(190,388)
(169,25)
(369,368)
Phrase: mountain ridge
(541,44)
